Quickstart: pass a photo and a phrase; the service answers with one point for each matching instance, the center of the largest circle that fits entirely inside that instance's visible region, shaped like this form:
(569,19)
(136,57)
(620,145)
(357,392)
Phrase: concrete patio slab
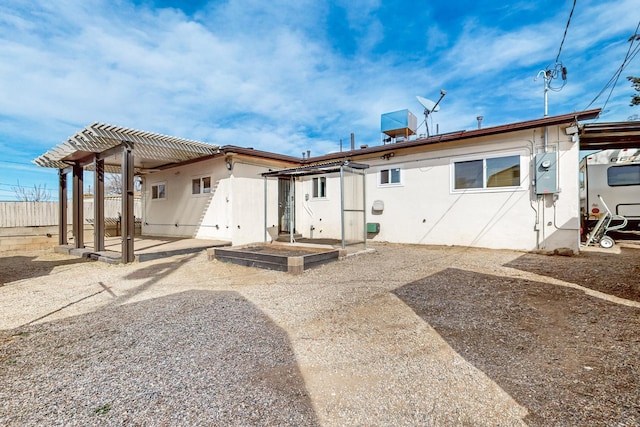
(145,247)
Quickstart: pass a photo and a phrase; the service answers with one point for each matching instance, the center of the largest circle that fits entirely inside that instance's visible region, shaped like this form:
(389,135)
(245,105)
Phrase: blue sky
(288,76)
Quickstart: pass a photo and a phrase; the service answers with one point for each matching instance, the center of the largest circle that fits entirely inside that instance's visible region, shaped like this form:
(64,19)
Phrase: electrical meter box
(546,173)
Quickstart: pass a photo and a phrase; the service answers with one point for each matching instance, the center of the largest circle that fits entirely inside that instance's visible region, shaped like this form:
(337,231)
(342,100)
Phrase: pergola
(112,149)
(347,206)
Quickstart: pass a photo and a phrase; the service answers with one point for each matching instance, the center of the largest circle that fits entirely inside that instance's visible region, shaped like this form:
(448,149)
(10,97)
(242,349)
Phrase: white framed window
(159,191)
(487,173)
(319,187)
(390,177)
(201,185)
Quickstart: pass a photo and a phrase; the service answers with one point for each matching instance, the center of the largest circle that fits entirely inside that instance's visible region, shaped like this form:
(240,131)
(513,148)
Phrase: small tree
(38,193)
(635,82)
(113,183)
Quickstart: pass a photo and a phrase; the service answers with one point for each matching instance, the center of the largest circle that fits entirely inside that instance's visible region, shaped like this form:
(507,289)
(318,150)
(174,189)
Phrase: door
(285,205)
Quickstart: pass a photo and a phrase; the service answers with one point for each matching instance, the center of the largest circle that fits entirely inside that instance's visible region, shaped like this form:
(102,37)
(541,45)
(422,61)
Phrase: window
(390,176)
(158,191)
(201,185)
(618,176)
(494,172)
(320,187)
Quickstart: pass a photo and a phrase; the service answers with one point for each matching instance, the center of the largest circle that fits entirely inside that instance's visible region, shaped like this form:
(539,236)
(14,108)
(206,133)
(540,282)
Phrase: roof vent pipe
(303,155)
(479,118)
(308,154)
(353,141)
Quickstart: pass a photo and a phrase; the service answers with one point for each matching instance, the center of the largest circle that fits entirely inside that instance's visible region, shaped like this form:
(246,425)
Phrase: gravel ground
(407,335)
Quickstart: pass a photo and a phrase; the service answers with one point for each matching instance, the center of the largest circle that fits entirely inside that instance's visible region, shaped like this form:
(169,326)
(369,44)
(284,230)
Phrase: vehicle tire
(607,242)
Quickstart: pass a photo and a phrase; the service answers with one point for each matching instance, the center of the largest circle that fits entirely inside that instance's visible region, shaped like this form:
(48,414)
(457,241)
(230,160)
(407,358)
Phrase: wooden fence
(41,214)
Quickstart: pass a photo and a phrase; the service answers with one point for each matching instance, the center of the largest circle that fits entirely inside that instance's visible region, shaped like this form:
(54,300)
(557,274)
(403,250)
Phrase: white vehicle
(615,176)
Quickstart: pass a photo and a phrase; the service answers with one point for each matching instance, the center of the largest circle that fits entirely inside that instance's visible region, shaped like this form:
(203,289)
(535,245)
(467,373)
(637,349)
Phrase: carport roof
(150,149)
(604,136)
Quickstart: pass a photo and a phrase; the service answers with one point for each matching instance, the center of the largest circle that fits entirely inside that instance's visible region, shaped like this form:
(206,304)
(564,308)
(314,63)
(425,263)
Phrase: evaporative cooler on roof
(397,124)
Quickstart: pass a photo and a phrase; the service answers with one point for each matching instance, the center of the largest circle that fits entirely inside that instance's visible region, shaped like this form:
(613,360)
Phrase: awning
(151,150)
(316,169)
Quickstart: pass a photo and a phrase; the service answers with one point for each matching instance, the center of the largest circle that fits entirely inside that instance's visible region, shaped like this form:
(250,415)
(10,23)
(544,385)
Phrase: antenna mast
(548,75)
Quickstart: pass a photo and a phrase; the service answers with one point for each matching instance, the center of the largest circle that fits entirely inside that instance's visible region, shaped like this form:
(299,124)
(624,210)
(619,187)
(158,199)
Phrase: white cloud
(267,76)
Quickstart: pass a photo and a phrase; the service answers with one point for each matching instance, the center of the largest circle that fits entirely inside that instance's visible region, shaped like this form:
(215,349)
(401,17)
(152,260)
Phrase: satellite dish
(430,107)
(428,104)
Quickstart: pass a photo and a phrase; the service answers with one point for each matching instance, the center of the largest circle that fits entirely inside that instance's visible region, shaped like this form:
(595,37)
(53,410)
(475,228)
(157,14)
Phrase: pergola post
(364,206)
(98,205)
(62,207)
(128,220)
(342,204)
(292,201)
(78,205)
(265,209)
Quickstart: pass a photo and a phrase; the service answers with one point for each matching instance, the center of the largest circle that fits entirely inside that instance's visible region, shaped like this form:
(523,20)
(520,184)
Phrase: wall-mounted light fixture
(229,164)
(572,130)
(387,156)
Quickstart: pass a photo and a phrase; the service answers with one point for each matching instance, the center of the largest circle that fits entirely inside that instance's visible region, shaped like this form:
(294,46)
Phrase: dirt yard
(407,335)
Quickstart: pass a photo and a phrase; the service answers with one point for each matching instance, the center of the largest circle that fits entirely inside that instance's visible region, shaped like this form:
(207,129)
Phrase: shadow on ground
(194,358)
(13,268)
(614,274)
(570,359)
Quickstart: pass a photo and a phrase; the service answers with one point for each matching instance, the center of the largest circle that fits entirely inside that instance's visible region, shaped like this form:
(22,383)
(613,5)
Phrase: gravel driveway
(407,335)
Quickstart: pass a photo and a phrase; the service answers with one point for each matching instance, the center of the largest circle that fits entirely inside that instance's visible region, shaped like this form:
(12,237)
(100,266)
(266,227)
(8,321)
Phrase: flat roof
(462,135)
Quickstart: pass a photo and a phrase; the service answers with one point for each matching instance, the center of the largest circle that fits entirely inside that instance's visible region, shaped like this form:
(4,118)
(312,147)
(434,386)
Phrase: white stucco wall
(424,208)
(182,214)
(323,214)
(248,204)
(233,211)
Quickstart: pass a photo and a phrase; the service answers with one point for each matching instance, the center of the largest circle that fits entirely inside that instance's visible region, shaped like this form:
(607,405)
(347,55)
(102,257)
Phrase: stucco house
(504,187)
(468,188)
(220,196)
(513,186)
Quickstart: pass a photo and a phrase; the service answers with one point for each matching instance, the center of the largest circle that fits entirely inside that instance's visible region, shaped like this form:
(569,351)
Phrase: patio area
(145,248)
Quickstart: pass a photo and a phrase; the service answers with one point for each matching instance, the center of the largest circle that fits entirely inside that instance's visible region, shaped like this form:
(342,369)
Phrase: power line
(552,73)
(565,31)
(17,163)
(631,54)
(18,186)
